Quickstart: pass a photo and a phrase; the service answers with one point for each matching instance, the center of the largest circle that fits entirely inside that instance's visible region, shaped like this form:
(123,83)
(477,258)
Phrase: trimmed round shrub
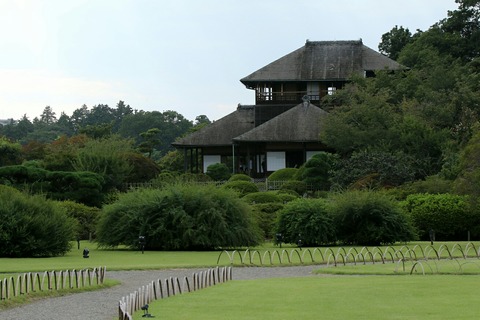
(81,186)
(369,218)
(449,216)
(287,197)
(299,187)
(164,178)
(32,226)
(283,174)
(265,206)
(194,177)
(262,197)
(242,187)
(316,171)
(218,172)
(308,220)
(240,177)
(179,217)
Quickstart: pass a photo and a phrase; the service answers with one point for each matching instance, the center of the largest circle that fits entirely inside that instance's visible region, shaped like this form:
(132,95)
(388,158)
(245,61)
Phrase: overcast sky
(182,55)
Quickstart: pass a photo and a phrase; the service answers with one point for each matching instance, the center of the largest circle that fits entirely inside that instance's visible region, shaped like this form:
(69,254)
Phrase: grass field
(122,259)
(328,297)
(456,266)
(325,297)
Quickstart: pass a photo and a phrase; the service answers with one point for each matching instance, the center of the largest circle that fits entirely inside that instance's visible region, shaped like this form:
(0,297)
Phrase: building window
(331,91)
(265,92)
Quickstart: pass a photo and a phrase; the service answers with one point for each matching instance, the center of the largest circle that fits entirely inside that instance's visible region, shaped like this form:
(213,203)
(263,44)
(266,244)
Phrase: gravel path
(102,304)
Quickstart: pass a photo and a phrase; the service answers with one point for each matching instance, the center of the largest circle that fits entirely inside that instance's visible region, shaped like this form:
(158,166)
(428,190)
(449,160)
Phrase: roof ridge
(356,42)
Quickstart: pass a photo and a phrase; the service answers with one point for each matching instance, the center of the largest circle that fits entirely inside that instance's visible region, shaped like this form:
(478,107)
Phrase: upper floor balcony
(291,97)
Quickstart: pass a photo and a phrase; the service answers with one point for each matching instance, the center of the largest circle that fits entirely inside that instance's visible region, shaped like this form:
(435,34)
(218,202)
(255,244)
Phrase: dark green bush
(240,177)
(369,218)
(31,226)
(432,185)
(367,169)
(307,219)
(265,205)
(299,187)
(218,172)
(262,197)
(164,178)
(450,216)
(85,216)
(83,187)
(316,171)
(287,197)
(194,177)
(242,187)
(283,174)
(179,217)
(266,216)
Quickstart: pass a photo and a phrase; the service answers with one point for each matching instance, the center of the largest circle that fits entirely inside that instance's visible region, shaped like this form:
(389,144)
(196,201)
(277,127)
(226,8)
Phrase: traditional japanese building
(282,129)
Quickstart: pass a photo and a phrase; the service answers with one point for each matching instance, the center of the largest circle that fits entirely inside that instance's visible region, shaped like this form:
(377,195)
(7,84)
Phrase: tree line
(102,121)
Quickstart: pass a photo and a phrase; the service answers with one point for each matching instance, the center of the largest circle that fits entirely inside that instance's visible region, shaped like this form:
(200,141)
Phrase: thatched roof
(222,131)
(299,124)
(323,61)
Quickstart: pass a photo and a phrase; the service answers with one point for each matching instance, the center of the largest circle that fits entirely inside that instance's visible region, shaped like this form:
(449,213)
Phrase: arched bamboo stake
(320,252)
(305,252)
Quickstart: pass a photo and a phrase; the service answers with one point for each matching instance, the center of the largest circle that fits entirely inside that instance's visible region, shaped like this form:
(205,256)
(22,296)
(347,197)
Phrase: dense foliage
(369,218)
(240,177)
(107,157)
(299,187)
(31,226)
(261,197)
(242,187)
(307,220)
(218,172)
(178,217)
(266,217)
(398,127)
(85,218)
(449,216)
(265,206)
(10,152)
(468,181)
(283,174)
(316,171)
(84,187)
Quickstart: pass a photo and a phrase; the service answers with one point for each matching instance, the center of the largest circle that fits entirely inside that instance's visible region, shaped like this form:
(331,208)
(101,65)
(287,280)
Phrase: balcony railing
(289,97)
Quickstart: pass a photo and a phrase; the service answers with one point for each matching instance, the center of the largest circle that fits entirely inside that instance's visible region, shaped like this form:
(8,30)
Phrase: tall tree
(394,41)
(79,117)
(107,157)
(150,141)
(48,116)
(120,113)
(170,123)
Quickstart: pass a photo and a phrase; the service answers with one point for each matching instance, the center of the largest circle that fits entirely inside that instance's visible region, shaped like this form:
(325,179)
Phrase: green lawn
(119,259)
(458,266)
(122,259)
(328,297)
(250,299)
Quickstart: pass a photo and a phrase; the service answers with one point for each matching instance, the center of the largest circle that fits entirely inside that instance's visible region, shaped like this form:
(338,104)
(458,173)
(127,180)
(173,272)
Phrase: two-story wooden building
(282,129)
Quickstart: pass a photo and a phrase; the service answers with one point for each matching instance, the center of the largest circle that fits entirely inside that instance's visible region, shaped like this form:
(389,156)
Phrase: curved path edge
(103,304)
